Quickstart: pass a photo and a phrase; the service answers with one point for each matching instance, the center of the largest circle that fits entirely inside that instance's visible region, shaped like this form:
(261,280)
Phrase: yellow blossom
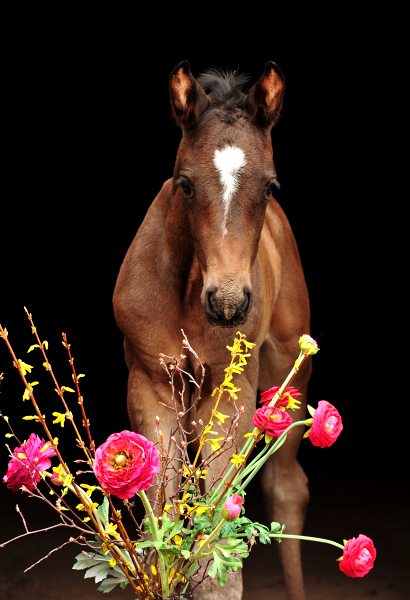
(25,368)
(214,443)
(200,508)
(112,562)
(221,417)
(238,460)
(32,347)
(110,530)
(60,418)
(89,488)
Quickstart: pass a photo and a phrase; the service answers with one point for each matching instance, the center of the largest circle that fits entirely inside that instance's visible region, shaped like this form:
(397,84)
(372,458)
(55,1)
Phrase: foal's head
(225,175)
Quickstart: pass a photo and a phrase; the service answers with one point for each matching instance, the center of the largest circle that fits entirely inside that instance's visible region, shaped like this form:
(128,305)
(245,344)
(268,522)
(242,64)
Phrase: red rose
(358,556)
(272,419)
(25,470)
(126,463)
(326,426)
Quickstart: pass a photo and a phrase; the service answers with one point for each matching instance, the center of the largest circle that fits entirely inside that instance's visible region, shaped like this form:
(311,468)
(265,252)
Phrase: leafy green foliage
(224,561)
(98,567)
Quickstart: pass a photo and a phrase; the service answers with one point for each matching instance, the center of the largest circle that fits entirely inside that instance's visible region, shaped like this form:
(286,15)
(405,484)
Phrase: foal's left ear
(266,96)
(188,98)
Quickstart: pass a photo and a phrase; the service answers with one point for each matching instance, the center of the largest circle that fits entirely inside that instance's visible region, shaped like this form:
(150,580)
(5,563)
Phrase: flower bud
(232,507)
(241,410)
(201,422)
(181,414)
(193,423)
(183,445)
(157,420)
(173,439)
(308,344)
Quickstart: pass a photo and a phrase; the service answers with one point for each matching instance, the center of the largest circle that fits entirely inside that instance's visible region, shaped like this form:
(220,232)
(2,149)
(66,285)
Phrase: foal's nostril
(211,301)
(246,302)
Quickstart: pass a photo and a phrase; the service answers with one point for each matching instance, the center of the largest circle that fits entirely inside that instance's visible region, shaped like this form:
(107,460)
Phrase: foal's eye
(274,183)
(187,187)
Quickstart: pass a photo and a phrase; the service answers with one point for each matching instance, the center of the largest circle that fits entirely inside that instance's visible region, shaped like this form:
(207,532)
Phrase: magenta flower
(358,556)
(27,463)
(267,396)
(126,463)
(273,420)
(326,426)
(232,507)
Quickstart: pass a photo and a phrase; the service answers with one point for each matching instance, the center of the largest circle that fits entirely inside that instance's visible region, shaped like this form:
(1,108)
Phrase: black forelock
(225,87)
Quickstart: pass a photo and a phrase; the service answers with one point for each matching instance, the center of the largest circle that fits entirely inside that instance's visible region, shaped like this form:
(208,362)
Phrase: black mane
(224,87)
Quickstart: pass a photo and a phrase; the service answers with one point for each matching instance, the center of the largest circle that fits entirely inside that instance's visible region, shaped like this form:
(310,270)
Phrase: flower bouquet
(161,556)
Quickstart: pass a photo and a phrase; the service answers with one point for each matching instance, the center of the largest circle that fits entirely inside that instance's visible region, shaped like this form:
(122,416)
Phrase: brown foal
(214,254)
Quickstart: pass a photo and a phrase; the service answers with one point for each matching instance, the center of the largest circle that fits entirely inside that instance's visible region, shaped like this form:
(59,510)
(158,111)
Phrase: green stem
(199,553)
(156,536)
(249,467)
(281,440)
(307,538)
(249,441)
(297,537)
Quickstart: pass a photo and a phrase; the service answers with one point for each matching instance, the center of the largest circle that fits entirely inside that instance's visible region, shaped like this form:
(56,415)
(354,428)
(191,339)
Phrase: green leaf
(228,528)
(186,554)
(235,545)
(263,533)
(175,530)
(221,565)
(275,527)
(99,571)
(202,523)
(157,544)
(103,511)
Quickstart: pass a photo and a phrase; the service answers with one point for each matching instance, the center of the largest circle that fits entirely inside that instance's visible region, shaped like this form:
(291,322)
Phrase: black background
(90,140)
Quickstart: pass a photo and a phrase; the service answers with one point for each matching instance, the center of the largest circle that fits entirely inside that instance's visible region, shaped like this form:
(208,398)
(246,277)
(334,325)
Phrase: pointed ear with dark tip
(266,96)
(188,99)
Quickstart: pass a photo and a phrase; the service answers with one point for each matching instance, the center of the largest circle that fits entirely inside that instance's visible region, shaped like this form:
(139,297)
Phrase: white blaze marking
(230,163)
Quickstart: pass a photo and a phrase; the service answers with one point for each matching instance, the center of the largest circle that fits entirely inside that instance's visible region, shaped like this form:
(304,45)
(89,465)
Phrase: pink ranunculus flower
(26,471)
(326,426)
(274,427)
(358,556)
(126,464)
(232,507)
(267,396)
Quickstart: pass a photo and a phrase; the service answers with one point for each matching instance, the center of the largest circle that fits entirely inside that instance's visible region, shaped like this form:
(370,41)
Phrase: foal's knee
(285,488)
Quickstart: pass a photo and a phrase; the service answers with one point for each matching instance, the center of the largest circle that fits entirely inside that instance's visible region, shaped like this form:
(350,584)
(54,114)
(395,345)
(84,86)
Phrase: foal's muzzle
(226,308)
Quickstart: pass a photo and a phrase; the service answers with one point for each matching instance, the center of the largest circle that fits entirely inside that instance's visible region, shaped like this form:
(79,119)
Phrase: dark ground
(89,141)
(340,507)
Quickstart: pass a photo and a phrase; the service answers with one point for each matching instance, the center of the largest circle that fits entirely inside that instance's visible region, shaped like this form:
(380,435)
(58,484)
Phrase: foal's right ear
(188,98)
